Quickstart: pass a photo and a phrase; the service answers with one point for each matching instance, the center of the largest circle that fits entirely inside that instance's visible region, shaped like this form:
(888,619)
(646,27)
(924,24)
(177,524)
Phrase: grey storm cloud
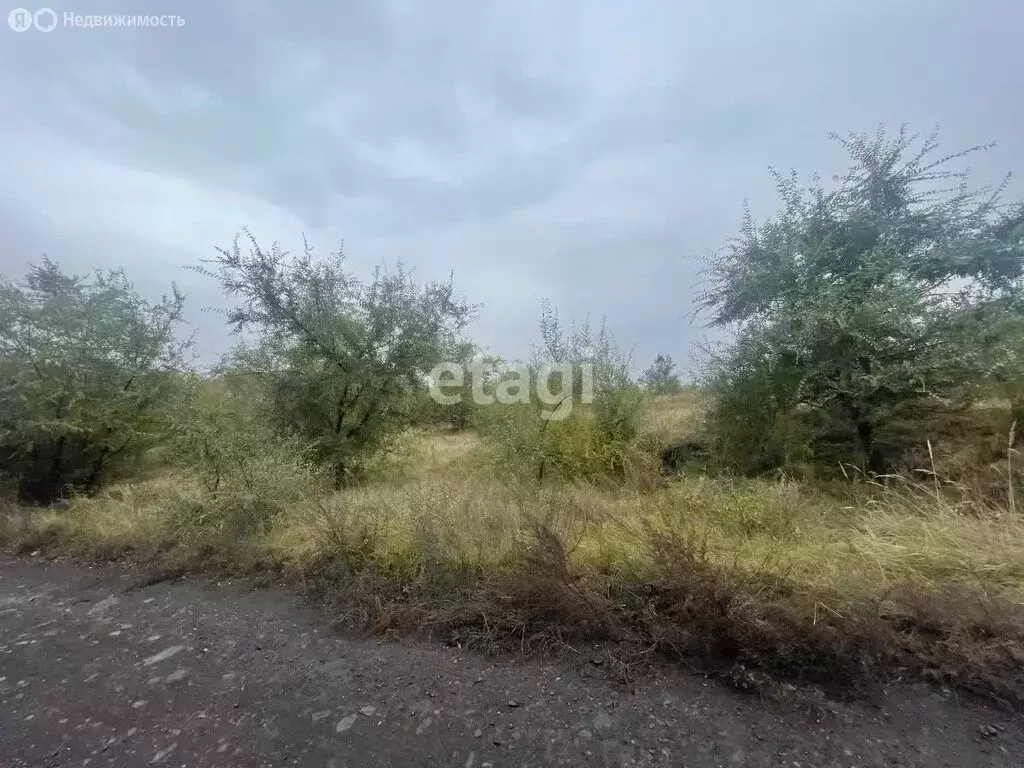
(588,152)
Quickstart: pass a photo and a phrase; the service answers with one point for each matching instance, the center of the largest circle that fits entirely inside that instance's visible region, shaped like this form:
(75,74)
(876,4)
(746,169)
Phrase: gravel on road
(96,670)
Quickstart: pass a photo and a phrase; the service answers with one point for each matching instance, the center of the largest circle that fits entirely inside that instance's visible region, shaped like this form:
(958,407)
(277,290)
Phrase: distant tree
(86,368)
(661,378)
(860,300)
(460,409)
(340,355)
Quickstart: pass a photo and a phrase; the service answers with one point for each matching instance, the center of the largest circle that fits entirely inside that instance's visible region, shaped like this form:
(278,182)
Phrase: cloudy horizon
(586,153)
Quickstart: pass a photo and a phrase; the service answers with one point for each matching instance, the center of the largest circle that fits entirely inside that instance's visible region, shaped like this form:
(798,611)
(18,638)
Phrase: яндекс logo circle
(20,20)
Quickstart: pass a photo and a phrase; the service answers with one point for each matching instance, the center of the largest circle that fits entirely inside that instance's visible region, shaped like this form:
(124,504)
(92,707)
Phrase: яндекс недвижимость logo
(47,20)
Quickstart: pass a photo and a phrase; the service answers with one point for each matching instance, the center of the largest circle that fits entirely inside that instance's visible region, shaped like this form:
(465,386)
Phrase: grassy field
(743,576)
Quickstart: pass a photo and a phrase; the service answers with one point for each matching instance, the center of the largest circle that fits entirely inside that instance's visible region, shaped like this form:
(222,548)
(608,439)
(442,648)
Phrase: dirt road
(94,672)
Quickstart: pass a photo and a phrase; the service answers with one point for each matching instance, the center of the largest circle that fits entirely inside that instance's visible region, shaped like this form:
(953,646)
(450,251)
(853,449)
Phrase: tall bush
(86,368)
(594,432)
(856,304)
(250,472)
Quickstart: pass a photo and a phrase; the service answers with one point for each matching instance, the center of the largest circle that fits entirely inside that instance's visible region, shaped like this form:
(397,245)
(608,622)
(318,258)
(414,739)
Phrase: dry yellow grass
(673,417)
(439,499)
(439,505)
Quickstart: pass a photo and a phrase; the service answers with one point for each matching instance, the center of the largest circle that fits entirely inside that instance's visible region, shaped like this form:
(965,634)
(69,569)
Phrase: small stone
(101,607)
(367,711)
(514,704)
(477,733)
(160,756)
(163,655)
(138,704)
(176,676)
(345,723)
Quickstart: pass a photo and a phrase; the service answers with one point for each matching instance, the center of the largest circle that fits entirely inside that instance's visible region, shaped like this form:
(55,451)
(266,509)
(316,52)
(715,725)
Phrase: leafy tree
(988,322)
(661,378)
(340,355)
(87,366)
(844,301)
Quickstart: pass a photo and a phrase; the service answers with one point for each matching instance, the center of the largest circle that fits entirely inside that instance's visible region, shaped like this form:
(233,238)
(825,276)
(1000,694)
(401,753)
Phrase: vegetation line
(833,500)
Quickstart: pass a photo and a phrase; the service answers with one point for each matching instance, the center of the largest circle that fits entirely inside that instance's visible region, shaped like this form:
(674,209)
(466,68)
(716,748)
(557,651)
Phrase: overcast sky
(588,152)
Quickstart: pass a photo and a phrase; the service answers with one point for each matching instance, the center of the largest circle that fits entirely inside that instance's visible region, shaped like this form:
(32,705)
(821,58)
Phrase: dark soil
(102,666)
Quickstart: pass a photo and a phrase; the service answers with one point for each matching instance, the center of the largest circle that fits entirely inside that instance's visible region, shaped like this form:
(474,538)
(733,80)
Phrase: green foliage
(988,325)
(473,377)
(86,368)
(340,356)
(572,448)
(753,422)
(619,404)
(846,302)
(661,378)
(594,431)
(250,472)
